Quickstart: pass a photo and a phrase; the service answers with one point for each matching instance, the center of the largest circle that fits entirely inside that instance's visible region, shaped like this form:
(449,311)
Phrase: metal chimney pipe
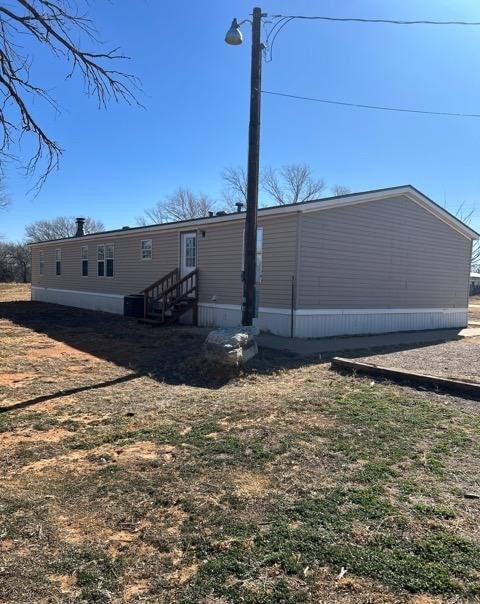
(239,205)
(80,227)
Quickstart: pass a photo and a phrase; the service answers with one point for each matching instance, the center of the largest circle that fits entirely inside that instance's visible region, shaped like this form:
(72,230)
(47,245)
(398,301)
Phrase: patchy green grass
(260,487)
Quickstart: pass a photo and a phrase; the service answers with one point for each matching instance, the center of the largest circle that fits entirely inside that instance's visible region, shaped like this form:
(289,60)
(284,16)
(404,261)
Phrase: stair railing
(153,292)
(159,297)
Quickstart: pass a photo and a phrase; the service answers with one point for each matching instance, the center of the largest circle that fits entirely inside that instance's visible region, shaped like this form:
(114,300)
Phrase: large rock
(231,345)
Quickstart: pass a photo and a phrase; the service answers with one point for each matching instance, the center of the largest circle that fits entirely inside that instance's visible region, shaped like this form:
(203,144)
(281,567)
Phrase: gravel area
(459,359)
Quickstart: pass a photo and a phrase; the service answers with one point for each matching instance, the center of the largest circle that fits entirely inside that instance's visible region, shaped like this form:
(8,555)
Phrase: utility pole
(250,251)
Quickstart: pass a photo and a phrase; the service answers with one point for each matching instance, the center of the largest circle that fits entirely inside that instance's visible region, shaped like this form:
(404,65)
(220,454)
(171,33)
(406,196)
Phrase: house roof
(307,206)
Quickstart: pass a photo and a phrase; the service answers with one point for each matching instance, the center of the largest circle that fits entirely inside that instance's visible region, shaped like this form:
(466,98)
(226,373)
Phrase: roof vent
(211,214)
(221,213)
(80,227)
(125,228)
(239,205)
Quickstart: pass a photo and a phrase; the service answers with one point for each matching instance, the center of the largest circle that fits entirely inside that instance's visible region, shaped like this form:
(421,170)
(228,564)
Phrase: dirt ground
(459,359)
(131,471)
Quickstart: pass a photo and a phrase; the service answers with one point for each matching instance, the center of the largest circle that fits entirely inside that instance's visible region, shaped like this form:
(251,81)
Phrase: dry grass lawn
(133,472)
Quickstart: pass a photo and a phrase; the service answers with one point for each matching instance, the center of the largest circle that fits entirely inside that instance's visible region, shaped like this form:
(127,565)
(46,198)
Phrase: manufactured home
(371,262)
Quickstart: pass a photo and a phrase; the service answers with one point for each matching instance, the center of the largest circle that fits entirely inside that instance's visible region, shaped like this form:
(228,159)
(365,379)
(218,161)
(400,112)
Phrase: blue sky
(196,93)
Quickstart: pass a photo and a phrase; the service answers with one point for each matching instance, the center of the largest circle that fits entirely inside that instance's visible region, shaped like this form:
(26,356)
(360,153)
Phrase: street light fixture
(234,37)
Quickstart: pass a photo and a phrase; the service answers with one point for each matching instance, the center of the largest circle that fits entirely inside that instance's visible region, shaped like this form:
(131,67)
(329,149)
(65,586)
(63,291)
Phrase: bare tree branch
(293,183)
(58,228)
(236,186)
(14,262)
(182,205)
(56,26)
(465,215)
(339,190)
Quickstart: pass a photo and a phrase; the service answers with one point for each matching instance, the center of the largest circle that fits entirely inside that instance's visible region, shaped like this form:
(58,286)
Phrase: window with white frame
(84,256)
(109,260)
(40,263)
(190,251)
(100,260)
(58,261)
(146,249)
(259,256)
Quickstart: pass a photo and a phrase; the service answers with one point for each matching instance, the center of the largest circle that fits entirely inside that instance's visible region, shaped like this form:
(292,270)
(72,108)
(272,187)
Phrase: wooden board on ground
(431,381)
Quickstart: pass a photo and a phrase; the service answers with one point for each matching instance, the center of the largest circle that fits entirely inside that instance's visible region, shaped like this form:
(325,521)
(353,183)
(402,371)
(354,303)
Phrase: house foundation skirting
(68,297)
(307,323)
(318,323)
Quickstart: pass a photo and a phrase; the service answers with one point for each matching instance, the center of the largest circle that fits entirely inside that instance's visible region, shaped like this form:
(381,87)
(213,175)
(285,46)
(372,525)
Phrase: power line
(365,20)
(280,21)
(375,107)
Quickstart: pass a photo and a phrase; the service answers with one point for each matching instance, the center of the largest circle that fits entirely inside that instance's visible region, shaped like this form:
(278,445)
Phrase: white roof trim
(312,206)
(408,191)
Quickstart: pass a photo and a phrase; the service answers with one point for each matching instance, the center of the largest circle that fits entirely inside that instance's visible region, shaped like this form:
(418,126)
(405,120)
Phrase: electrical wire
(374,107)
(279,25)
(366,20)
(282,20)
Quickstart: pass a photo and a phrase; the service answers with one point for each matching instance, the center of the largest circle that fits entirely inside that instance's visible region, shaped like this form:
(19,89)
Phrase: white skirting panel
(321,323)
(68,297)
(311,324)
(219,315)
(307,323)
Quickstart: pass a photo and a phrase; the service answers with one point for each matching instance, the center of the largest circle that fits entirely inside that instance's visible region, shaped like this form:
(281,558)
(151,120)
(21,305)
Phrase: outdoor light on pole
(234,38)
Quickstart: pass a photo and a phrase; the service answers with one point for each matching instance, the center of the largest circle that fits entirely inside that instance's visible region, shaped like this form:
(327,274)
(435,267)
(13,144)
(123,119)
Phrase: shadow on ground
(167,354)
(172,355)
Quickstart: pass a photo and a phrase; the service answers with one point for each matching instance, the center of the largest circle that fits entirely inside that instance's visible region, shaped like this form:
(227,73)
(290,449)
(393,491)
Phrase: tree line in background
(15,256)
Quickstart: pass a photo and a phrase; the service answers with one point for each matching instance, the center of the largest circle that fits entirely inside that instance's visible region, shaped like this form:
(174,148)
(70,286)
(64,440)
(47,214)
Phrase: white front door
(188,253)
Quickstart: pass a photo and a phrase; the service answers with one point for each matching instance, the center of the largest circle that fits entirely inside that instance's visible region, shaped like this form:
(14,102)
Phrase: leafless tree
(235,191)
(14,262)
(465,215)
(60,27)
(292,184)
(6,268)
(184,204)
(57,228)
(339,190)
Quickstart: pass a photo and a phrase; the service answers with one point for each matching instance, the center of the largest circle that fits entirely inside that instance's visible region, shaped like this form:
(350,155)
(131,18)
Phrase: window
(109,259)
(58,262)
(190,251)
(85,261)
(40,263)
(146,249)
(259,258)
(101,260)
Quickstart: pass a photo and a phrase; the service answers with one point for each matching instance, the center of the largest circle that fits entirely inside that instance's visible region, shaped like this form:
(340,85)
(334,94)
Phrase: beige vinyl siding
(131,273)
(381,254)
(219,262)
(279,260)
